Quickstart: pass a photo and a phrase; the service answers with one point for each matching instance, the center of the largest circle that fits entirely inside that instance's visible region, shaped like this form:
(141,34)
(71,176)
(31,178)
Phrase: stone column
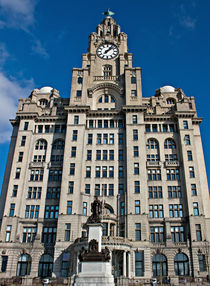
(129,264)
(124,263)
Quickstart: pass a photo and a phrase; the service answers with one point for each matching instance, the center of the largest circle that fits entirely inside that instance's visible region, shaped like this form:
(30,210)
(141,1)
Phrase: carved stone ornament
(92,253)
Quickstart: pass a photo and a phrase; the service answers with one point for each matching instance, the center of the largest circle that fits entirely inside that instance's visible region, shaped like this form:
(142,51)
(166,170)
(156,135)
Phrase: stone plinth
(95,232)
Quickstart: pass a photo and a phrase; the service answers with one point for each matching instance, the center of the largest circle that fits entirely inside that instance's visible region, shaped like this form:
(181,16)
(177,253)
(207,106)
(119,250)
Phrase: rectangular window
(137,207)
(122,208)
(105,155)
(135,134)
(187,139)
(147,128)
(104,190)
(173,174)
(4,263)
(139,263)
(100,124)
(88,172)
(165,128)
(193,189)
(155,192)
(120,155)
(57,128)
(138,231)
(120,138)
(104,172)
(69,208)
(90,123)
(106,124)
(176,210)
(177,233)
(49,234)
(55,175)
(17,174)
(71,187)
(189,156)
(121,189)
(157,234)
(202,262)
(74,136)
(174,192)
(73,152)
(111,154)
(98,155)
(29,234)
(20,157)
(34,192)
(195,209)
(76,119)
(36,175)
(133,93)
(121,172)
(87,189)
(40,128)
(23,141)
(90,139)
(84,211)
(192,172)
(136,151)
(154,127)
(72,169)
(136,168)
(111,190)
(154,174)
(89,155)
(137,187)
(12,210)
(67,231)
(135,119)
(133,79)
(171,157)
(98,171)
(51,211)
(185,124)
(97,190)
(8,233)
(198,232)
(31,211)
(14,191)
(99,139)
(111,172)
(156,211)
(47,128)
(53,192)
(111,138)
(79,93)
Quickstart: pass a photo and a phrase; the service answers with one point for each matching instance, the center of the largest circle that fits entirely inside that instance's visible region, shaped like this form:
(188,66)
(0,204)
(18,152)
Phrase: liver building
(141,156)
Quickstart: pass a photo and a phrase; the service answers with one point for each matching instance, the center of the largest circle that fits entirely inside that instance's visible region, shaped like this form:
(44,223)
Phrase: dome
(45,89)
(167,88)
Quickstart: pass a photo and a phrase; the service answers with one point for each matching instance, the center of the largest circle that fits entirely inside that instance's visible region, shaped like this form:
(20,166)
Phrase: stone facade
(141,156)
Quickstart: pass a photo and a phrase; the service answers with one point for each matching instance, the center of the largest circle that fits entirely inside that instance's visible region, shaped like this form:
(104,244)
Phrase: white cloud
(38,48)
(187,22)
(11,91)
(3,53)
(17,13)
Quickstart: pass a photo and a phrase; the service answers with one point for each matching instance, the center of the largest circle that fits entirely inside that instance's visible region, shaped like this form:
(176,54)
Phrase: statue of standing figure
(96,209)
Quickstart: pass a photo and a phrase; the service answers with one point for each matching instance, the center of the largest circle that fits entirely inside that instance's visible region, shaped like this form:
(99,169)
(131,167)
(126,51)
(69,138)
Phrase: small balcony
(107,78)
(36,165)
(172,164)
(153,163)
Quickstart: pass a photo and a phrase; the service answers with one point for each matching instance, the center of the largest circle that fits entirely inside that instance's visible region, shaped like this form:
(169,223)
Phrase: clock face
(107,51)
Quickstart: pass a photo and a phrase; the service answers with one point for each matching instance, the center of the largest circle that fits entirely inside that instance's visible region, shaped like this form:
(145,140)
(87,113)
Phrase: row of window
(105,123)
(50,128)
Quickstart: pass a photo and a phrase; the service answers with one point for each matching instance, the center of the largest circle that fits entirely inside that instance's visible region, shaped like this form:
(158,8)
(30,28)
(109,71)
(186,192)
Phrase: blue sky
(41,41)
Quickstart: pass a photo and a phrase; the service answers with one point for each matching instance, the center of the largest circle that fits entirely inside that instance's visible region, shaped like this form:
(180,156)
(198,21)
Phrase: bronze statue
(96,209)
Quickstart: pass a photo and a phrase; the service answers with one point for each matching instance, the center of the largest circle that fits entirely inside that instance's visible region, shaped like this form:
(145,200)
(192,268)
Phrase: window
(171,157)
(45,266)
(121,171)
(171,128)
(87,189)
(195,209)
(25,125)
(8,233)
(189,156)
(192,172)
(138,231)
(106,124)
(73,152)
(121,189)
(98,171)
(72,169)
(105,155)
(159,265)
(111,172)
(76,119)
(97,190)
(90,139)
(53,192)
(107,72)
(122,208)
(135,134)
(111,190)
(71,187)
(23,141)
(14,191)
(111,154)
(36,175)
(47,128)
(49,234)
(104,190)
(154,127)
(155,192)
(187,139)
(69,208)
(24,265)
(89,155)
(174,192)
(79,80)
(51,211)
(84,211)
(172,174)
(120,138)
(170,101)
(133,93)
(99,140)
(79,93)
(88,171)
(100,124)
(139,263)
(111,138)
(137,187)
(135,120)
(165,128)
(177,233)
(137,207)
(136,168)
(154,174)
(90,123)
(98,155)
(181,265)
(157,234)
(202,262)
(40,128)
(193,189)
(12,210)
(169,144)
(41,158)
(17,174)
(133,79)
(147,128)
(29,234)
(58,145)
(67,232)
(4,263)
(65,271)
(185,124)
(104,172)
(152,144)
(198,232)
(20,157)
(176,210)
(55,175)
(34,192)
(74,136)
(32,211)
(120,155)
(135,151)
(156,211)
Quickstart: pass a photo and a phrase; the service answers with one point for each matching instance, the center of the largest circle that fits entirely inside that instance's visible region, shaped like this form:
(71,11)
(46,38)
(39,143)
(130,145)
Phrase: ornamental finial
(108,13)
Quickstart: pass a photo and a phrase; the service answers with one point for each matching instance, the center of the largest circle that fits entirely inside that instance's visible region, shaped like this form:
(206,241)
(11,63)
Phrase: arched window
(41,144)
(45,266)
(24,265)
(181,264)
(43,102)
(159,265)
(169,144)
(153,150)
(170,101)
(152,144)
